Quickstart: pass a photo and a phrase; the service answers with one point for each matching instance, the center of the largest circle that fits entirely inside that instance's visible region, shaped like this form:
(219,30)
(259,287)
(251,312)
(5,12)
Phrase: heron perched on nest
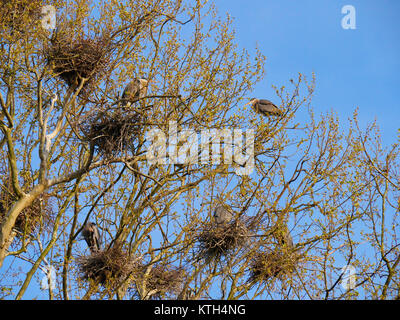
(287,240)
(264,107)
(283,237)
(135,90)
(222,215)
(92,237)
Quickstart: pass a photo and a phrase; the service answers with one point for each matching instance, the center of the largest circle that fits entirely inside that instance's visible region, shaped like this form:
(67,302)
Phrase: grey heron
(287,240)
(284,237)
(265,107)
(135,90)
(91,235)
(222,215)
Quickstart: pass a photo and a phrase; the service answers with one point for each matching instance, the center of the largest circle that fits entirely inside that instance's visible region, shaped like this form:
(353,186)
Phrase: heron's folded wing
(269,108)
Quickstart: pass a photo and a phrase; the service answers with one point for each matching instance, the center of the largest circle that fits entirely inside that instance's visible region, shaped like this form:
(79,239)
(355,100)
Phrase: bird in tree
(135,90)
(283,237)
(222,215)
(264,107)
(91,235)
(287,240)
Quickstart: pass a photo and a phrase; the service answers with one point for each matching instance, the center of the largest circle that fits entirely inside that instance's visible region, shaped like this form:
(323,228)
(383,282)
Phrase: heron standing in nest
(283,237)
(222,215)
(135,90)
(264,107)
(92,237)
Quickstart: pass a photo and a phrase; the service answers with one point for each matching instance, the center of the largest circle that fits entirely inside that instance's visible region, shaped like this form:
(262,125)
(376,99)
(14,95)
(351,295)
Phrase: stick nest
(18,15)
(217,240)
(29,218)
(112,133)
(161,280)
(273,264)
(107,267)
(74,59)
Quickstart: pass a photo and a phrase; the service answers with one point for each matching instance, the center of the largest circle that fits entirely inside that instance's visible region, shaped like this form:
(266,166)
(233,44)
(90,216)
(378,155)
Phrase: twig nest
(29,219)
(19,15)
(273,264)
(112,132)
(73,59)
(161,280)
(107,267)
(216,240)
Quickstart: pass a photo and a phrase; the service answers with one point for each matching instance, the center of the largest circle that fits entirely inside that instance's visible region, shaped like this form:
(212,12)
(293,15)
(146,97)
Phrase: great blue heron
(222,215)
(265,107)
(284,237)
(91,235)
(135,90)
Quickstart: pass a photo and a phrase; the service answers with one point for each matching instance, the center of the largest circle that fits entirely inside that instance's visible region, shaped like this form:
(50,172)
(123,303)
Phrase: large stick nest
(18,15)
(217,240)
(160,279)
(73,59)
(107,267)
(29,218)
(273,264)
(112,133)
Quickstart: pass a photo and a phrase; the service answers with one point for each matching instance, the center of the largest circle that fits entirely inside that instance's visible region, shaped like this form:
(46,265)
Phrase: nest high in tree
(161,280)
(215,241)
(273,264)
(18,15)
(106,267)
(28,220)
(112,133)
(74,59)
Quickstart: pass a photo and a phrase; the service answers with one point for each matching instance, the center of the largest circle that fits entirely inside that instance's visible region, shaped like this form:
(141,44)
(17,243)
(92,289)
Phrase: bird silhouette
(264,107)
(135,90)
(222,215)
(92,237)
(283,237)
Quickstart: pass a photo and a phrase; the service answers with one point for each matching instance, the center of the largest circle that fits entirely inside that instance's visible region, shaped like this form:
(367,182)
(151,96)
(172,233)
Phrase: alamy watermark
(349,20)
(227,146)
(49,278)
(348,277)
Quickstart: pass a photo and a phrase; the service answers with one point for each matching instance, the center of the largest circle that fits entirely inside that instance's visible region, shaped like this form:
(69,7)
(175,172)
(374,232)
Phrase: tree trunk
(6,234)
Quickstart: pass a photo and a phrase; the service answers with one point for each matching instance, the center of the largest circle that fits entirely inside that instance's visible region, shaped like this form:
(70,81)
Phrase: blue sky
(354,68)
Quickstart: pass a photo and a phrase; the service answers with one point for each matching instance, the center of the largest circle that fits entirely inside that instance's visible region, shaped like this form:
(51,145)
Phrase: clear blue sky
(353,68)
